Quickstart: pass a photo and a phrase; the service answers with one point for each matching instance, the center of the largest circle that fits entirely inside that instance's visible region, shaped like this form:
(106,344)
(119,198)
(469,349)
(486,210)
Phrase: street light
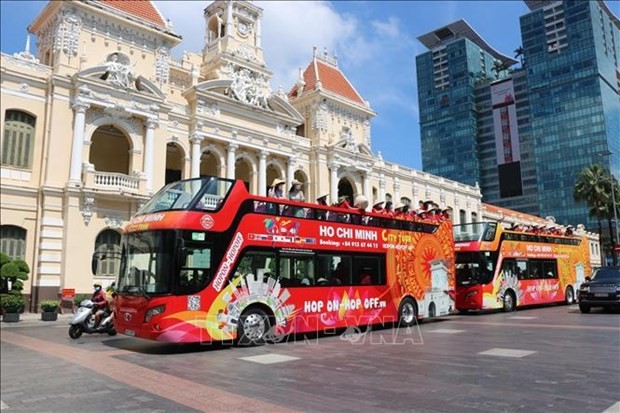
(607,153)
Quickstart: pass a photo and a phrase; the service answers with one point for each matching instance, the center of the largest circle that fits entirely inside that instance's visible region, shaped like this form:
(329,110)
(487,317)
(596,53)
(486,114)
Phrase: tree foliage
(13,273)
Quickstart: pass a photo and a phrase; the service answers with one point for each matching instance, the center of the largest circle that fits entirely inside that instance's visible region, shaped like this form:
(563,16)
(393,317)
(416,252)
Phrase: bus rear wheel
(569,297)
(252,327)
(509,303)
(407,313)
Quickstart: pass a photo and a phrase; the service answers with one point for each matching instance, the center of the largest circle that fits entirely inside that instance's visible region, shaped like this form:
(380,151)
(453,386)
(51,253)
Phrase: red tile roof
(142,9)
(332,80)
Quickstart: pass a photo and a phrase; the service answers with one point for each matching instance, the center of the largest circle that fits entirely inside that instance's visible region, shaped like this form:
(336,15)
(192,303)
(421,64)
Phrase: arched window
(462,217)
(108,247)
(13,241)
(18,139)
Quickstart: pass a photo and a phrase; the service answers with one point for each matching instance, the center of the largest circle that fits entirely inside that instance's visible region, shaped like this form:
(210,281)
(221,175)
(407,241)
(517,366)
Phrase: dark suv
(603,290)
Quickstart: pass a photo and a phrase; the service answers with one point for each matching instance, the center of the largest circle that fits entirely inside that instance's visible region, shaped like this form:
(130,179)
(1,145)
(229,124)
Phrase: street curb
(34,319)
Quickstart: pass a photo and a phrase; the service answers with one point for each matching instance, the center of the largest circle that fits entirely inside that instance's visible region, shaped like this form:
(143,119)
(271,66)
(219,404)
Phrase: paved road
(552,359)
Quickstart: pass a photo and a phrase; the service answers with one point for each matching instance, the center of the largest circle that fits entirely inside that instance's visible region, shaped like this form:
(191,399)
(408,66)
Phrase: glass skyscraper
(536,126)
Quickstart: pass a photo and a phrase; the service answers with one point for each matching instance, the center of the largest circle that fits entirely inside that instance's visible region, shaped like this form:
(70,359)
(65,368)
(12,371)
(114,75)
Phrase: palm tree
(519,54)
(593,186)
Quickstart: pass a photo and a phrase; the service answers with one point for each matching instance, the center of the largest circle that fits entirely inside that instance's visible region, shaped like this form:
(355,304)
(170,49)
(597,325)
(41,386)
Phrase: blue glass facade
(448,121)
(571,51)
(567,105)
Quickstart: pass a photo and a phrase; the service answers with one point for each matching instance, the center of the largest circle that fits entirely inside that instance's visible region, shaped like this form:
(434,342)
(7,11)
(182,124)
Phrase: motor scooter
(84,321)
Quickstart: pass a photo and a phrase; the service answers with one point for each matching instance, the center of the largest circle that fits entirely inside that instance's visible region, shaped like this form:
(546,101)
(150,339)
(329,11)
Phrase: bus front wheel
(569,297)
(407,313)
(509,302)
(252,327)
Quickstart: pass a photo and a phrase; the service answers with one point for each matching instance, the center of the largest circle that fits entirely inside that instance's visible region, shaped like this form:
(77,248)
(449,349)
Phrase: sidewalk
(34,319)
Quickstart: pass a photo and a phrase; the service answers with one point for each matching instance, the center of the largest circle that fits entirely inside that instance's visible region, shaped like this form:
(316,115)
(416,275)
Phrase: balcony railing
(113,180)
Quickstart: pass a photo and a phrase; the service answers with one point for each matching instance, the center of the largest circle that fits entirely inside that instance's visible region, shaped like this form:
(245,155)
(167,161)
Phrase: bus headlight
(153,312)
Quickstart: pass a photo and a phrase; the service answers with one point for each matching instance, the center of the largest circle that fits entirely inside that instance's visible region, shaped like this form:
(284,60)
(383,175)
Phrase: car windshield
(147,263)
(205,194)
(475,268)
(607,274)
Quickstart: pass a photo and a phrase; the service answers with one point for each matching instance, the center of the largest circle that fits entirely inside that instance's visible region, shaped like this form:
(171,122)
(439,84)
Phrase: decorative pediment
(275,104)
(117,72)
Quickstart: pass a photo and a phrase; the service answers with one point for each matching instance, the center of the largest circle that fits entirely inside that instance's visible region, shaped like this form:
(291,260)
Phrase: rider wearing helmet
(100,302)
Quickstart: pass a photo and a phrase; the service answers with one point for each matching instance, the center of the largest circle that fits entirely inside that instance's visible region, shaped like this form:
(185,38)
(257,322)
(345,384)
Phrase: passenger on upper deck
(295,193)
(277,189)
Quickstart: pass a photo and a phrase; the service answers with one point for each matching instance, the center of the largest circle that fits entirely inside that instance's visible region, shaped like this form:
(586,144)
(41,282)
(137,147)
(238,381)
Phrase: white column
(230,159)
(290,172)
(333,179)
(196,155)
(229,19)
(151,125)
(262,173)
(75,173)
(381,187)
(366,186)
(396,198)
(258,32)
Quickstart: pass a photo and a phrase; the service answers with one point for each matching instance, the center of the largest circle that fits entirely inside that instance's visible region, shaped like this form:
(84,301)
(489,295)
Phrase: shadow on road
(150,347)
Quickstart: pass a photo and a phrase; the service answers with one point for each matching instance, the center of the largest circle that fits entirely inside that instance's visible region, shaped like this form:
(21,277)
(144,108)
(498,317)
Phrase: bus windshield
(475,231)
(205,194)
(475,268)
(147,263)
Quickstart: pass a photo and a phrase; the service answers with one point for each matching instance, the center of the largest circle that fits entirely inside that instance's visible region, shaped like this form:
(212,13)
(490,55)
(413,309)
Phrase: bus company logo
(148,218)
(229,260)
(207,221)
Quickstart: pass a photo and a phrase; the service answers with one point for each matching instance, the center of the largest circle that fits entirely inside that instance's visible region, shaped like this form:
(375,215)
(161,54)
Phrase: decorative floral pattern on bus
(411,268)
(501,284)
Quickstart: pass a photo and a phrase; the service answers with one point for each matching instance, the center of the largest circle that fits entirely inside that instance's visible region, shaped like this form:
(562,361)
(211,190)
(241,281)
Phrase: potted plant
(12,305)
(49,310)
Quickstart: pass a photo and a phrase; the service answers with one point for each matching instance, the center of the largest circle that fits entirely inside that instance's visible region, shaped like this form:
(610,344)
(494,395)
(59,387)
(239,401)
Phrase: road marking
(521,317)
(3,405)
(569,327)
(446,331)
(178,390)
(615,408)
(506,352)
(269,358)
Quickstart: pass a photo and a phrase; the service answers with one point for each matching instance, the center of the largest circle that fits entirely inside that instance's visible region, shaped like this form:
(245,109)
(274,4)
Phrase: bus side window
(550,269)
(535,269)
(521,269)
(509,267)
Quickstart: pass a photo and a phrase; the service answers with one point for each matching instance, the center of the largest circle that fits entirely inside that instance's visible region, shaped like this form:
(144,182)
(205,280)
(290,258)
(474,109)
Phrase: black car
(602,290)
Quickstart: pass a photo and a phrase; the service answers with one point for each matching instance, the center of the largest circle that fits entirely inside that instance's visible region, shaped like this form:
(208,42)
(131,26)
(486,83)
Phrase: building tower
(458,58)
(572,52)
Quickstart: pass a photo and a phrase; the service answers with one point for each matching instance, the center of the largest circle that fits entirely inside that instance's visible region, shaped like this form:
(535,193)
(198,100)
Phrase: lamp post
(608,153)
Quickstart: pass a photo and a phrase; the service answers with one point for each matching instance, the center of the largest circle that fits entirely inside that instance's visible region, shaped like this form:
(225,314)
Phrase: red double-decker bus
(206,261)
(498,268)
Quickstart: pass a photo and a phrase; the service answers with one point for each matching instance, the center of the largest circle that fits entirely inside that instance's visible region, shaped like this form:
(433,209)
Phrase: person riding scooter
(100,302)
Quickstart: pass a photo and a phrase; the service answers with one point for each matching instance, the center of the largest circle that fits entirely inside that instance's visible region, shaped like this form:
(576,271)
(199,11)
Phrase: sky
(375,41)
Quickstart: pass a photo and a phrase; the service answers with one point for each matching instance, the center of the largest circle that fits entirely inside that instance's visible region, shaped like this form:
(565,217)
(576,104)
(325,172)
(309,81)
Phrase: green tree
(13,271)
(593,186)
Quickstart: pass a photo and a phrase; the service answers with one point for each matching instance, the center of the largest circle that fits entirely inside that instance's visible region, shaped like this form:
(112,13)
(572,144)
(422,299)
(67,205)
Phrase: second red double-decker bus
(206,261)
(497,268)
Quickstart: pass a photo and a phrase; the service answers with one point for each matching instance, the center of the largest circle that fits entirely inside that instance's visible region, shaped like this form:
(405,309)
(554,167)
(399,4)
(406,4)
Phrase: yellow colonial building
(103,116)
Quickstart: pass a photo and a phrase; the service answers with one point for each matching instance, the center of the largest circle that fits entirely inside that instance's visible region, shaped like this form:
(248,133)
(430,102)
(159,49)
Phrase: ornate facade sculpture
(118,71)
(249,87)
